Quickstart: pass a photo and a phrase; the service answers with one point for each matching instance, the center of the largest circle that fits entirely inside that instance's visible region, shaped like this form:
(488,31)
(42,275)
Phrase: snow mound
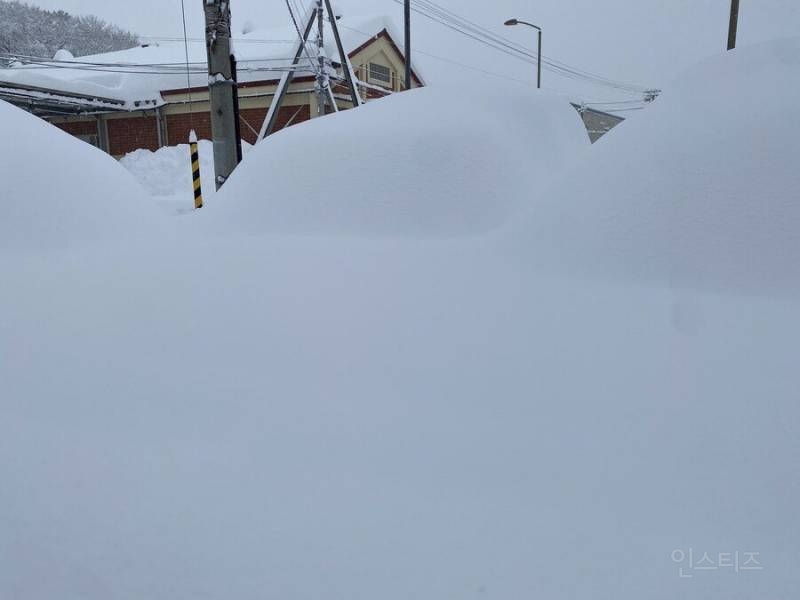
(702,189)
(58,192)
(166,173)
(432,162)
(62,55)
(266,417)
(279,417)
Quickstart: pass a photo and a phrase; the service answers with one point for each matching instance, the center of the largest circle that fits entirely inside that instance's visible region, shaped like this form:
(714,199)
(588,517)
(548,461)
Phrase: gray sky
(645,42)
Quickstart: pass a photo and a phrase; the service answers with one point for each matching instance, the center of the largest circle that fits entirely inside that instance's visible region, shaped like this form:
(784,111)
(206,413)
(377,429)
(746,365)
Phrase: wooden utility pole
(221,88)
(734,24)
(409,81)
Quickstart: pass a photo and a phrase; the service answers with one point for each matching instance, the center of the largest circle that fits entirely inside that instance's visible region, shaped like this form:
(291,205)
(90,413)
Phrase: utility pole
(409,81)
(221,89)
(734,25)
(322,79)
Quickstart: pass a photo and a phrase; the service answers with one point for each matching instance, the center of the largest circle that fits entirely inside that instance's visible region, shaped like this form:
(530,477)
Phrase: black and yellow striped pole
(198,190)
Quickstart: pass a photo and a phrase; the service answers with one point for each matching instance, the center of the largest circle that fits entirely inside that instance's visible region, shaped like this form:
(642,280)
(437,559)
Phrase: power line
(240,40)
(500,76)
(181,65)
(193,68)
(616,110)
(449,60)
(501,44)
(515,46)
(484,36)
(188,71)
(508,44)
(300,38)
(144,69)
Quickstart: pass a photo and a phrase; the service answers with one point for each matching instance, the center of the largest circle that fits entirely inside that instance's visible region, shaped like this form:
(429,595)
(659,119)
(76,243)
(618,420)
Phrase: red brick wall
(179,126)
(255,117)
(79,127)
(287,112)
(127,135)
(295,114)
(133,133)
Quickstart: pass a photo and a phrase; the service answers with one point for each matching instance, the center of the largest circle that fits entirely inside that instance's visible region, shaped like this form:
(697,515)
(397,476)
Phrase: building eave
(63,101)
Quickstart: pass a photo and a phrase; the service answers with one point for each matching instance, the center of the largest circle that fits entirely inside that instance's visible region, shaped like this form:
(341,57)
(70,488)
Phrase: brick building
(140,98)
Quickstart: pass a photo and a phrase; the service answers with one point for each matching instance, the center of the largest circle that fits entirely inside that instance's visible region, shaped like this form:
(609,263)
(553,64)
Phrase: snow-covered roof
(138,76)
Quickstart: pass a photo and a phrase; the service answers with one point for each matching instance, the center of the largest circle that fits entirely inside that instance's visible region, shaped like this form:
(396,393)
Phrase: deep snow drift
(57,191)
(411,164)
(261,416)
(701,189)
(166,174)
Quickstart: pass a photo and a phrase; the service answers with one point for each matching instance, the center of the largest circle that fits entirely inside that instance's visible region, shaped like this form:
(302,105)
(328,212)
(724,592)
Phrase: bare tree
(31,31)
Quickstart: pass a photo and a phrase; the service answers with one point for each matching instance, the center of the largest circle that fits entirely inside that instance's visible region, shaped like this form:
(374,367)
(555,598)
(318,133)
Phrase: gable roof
(136,77)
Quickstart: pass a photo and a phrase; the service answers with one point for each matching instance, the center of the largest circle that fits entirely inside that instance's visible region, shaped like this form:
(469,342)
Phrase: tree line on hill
(35,32)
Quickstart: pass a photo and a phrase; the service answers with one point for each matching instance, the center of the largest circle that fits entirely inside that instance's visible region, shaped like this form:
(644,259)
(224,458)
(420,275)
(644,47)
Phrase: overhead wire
(460,24)
(188,72)
(448,60)
(239,40)
(182,64)
(495,74)
(478,30)
(484,36)
(481,30)
(302,42)
(143,70)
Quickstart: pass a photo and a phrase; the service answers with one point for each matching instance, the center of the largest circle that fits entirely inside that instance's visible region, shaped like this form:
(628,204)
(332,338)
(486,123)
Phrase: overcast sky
(645,42)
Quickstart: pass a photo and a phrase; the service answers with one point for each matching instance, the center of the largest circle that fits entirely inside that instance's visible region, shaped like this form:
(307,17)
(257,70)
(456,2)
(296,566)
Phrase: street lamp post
(511,23)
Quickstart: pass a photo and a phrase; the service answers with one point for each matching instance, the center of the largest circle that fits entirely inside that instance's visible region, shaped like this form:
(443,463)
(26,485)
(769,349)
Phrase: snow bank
(62,55)
(269,418)
(433,162)
(700,189)
(167,171)
(166,174)
(253,417)
(57,191)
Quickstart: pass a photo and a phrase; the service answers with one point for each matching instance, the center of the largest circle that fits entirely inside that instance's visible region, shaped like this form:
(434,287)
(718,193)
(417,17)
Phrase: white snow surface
(413,164)
(701,189)
(63,54)
(166,174)
(525,414)
(58,192)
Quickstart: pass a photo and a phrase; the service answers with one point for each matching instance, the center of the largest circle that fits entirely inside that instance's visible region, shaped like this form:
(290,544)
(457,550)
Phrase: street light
(513,22)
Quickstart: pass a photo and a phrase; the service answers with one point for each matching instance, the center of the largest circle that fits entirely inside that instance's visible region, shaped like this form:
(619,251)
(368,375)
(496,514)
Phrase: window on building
(380,73)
